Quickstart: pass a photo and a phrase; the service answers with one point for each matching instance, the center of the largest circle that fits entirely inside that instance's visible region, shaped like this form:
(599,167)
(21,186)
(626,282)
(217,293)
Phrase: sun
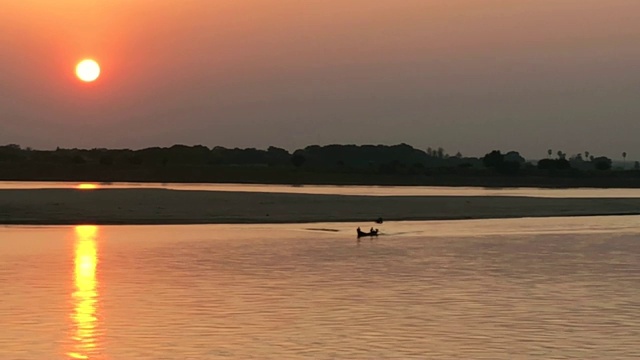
(88,70)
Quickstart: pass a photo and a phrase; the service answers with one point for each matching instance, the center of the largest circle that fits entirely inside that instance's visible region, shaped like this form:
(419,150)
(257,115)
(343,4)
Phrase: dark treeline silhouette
(332,164)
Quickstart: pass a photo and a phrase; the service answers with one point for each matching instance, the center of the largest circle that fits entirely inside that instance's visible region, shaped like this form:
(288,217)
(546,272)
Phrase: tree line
(201,163)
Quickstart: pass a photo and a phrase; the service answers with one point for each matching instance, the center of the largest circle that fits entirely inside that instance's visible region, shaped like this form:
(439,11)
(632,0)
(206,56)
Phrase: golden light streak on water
(87,186)
(85,296)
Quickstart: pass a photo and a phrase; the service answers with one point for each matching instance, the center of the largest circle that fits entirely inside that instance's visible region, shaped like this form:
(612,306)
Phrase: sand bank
(158,206)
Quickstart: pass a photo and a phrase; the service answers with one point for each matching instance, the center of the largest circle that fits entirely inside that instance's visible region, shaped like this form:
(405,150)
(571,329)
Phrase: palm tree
(549,152)
(586,154)
(624,159)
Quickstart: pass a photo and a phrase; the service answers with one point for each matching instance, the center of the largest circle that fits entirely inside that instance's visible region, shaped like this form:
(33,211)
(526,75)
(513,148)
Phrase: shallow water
(340,190)
(563,288)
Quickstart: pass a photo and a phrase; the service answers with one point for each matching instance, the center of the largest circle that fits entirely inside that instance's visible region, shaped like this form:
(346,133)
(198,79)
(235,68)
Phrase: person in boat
(372,232)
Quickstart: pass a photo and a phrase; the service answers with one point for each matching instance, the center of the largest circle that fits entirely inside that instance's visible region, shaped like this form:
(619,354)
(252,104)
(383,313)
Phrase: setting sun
(88,70)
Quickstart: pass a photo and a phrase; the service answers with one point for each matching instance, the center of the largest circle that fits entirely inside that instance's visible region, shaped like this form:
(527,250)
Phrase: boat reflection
(85,295)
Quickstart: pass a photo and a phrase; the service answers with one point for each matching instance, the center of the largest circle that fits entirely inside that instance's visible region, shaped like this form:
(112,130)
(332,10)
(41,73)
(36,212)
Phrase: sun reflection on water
(85,296)
(86,186)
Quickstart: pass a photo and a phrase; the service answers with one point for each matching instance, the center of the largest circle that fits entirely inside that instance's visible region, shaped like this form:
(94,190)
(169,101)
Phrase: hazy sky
(467,75)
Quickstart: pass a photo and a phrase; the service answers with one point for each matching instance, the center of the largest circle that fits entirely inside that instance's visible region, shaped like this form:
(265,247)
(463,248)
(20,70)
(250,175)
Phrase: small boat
(372,232)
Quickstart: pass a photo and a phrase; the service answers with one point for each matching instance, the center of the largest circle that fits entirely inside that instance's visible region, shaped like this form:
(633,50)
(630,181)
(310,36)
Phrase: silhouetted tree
(554,164)
(496,160)
(546,164)
(297,160)
(549,152)
(277,156)
(12,152)
(602,163)
(514,156)
(624,159)
(586,155)
(493,159)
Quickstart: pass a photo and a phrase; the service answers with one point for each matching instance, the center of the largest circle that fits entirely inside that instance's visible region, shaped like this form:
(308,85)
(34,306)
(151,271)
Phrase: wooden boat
(373,232)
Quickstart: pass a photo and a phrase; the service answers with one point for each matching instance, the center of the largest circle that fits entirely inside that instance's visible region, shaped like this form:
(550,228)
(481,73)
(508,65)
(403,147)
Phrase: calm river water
(341,190)
(562,288)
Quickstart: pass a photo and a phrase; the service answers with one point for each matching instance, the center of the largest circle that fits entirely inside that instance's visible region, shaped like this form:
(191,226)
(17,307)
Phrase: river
(557,288)
(341,190)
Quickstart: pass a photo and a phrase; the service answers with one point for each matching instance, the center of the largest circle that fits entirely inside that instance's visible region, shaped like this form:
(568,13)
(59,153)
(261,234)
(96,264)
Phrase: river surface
(340,190)
(561,288)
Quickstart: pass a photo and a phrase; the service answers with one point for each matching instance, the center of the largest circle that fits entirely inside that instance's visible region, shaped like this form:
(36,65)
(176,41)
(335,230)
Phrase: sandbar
(161,206)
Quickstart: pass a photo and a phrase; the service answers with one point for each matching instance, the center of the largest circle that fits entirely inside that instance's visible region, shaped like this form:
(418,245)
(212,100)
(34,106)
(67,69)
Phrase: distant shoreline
(267,176)
(500,183)
(159,206)
(391,165)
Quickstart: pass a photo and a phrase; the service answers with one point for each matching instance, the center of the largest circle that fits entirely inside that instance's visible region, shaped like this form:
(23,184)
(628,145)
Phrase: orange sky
(424,72)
